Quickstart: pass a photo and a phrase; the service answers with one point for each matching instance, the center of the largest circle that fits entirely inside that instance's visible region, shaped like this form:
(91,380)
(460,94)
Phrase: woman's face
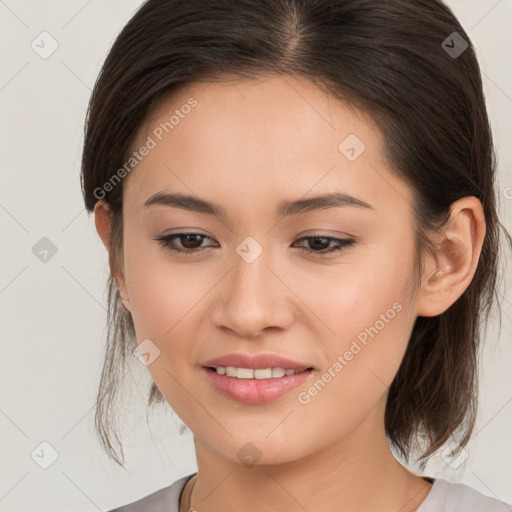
(256,284)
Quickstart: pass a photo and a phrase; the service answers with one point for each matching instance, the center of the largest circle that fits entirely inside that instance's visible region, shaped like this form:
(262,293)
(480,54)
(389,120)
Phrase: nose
(253,298)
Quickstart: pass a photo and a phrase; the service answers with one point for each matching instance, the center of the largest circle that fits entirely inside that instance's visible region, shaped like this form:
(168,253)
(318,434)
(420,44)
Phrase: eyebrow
(285,208)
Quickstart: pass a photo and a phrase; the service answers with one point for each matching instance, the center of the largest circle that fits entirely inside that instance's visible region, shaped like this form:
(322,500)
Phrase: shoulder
(465,498)
(163,500)
(446,496)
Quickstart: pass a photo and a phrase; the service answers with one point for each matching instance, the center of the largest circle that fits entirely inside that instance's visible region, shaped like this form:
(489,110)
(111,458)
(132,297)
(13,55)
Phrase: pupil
(191,238)
(314,241)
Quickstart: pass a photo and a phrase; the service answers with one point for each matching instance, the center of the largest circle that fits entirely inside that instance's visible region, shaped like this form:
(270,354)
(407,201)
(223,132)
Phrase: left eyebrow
(334,200)
(285,208)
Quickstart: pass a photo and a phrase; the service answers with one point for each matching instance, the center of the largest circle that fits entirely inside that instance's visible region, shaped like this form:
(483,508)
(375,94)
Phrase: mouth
(255,385)
(256,373)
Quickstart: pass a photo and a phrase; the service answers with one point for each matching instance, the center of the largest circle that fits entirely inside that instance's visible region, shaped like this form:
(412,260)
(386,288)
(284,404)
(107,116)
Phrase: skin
(248,145)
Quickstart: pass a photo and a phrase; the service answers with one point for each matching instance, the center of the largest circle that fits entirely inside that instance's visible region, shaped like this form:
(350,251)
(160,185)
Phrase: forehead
(266,138)
(292,107)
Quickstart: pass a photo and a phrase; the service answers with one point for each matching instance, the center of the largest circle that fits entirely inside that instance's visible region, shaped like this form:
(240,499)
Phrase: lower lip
(255,391)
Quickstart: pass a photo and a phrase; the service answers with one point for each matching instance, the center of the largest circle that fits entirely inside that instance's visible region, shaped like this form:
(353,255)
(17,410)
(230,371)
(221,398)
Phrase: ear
(103,227)
(450,271)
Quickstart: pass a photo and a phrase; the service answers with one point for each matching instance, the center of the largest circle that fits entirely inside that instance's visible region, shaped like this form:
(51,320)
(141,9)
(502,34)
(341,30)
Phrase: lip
(256,361)
(255,391)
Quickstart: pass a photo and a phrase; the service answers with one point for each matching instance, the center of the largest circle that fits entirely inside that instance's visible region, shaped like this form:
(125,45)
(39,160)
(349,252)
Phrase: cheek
(164,298)
(347,300)
(366,323)
(161,291)
(361,364)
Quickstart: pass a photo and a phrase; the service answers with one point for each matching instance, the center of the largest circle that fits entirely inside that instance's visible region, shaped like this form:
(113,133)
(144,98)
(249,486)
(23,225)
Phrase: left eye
(322,241)
(194,239)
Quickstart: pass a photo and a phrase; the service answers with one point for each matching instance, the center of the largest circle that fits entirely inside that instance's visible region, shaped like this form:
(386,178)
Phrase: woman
(297,198)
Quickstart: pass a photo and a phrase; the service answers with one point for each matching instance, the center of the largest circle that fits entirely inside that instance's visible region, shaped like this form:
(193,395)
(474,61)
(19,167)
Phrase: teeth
(262,373)
(249,373)
(278,372)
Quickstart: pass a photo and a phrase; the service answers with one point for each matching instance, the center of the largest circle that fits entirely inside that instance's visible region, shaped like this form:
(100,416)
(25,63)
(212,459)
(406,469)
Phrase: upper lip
(255,361)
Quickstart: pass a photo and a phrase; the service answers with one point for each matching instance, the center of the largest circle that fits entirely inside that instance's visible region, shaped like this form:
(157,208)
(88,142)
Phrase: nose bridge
(253,297)
(251,278)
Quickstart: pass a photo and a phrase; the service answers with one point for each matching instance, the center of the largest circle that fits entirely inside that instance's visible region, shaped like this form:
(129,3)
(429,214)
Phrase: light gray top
(443,497)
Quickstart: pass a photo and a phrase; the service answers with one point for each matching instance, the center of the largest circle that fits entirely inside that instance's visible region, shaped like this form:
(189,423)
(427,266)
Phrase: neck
(359,473)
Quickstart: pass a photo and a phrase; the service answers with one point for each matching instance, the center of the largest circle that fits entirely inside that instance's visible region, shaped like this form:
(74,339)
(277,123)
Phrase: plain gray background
(53,313)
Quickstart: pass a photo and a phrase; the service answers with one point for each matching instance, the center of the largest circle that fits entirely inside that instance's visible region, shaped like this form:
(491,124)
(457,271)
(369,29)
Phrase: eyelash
(343,244)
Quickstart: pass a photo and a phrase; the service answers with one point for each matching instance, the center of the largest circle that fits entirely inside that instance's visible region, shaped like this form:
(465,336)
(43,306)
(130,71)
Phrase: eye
(322,243)
(188,240)
(192,243)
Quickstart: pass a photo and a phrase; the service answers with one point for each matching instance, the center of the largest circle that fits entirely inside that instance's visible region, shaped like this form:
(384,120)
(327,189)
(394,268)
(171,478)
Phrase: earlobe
(124,299)
(102,221)
(452,268)
(103,227)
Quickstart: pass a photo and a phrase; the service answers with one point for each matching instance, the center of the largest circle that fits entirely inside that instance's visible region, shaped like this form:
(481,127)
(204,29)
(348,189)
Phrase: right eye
(186,240)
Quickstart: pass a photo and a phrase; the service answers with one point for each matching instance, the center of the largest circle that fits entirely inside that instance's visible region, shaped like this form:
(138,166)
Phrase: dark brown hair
(385,58)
